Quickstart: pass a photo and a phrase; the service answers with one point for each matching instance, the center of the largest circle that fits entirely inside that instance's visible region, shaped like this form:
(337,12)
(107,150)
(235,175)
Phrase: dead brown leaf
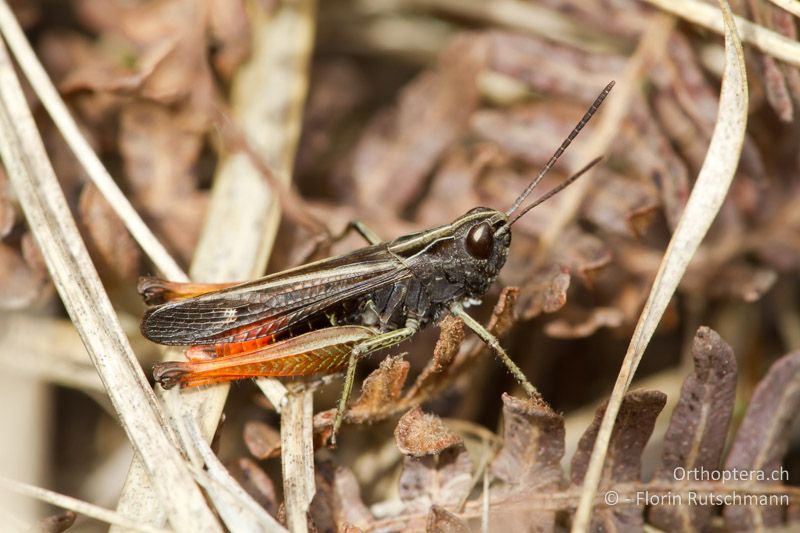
(255,482)
(551,68)
(380,389)
(337,504)
(261,439)
(546,292)
(533,445)
(451,336)
(503,313)
(632,430)
(440,520)
(698,427)
(56,523)
(171,35)
(763,439)
(419,434)
(20,284)
(113,250)
(399,148)
(585,323)
(623,206)
(442,479)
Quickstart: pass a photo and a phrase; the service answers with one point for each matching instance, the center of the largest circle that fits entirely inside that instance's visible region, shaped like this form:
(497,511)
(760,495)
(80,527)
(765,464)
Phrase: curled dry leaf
(418,434)
(380,390)
(173,42)
(650,154)
(450,338)
(443,478)
(784,23)
(451,335)
(20,284)
(337,504)
(255,482)
(632,429)
(772,75)
(230,35)
(763,439)
(399,149)
(625,18)
(533,445)
(113,250)
(440,520)
(546,292)
(593,320)
(503,313)
(159,147)
(743,281)
(453,186)
(698,99)
(698,427)
(583,253)
(262,440)
(551,68)
(513,129)
(623,206)
(56,523)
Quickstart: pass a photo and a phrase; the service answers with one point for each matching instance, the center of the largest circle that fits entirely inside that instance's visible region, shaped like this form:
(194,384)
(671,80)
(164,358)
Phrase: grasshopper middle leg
(362,229)
(378,342)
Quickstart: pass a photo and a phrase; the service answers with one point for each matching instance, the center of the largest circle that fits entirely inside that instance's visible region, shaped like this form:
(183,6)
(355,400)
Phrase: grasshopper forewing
(324,316)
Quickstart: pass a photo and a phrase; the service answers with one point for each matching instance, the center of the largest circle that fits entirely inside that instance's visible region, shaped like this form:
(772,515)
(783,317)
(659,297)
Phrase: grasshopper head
(483,235)
(480,248)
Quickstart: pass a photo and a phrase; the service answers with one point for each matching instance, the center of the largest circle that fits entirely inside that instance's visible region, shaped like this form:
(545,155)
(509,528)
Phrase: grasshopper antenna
(555,190)
(546,168)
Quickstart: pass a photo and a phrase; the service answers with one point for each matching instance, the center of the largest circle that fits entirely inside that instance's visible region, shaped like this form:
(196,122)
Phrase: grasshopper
(325,316)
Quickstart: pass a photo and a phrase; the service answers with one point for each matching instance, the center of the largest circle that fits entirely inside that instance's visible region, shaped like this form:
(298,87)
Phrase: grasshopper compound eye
(480,241)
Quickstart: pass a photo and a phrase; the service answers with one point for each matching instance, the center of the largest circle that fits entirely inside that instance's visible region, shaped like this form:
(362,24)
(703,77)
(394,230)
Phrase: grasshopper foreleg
(378,342)
(494,344)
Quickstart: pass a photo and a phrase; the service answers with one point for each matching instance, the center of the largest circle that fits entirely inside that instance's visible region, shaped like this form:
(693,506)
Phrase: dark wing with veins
(274,303)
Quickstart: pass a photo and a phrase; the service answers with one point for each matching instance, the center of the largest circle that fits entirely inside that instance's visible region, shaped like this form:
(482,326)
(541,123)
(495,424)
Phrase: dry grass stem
(43,202)
(224,253)
(53,352)
(297,457)
(704,202)
(792,6)
(74,504)
(523,16)
(94,168)
(708,16)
